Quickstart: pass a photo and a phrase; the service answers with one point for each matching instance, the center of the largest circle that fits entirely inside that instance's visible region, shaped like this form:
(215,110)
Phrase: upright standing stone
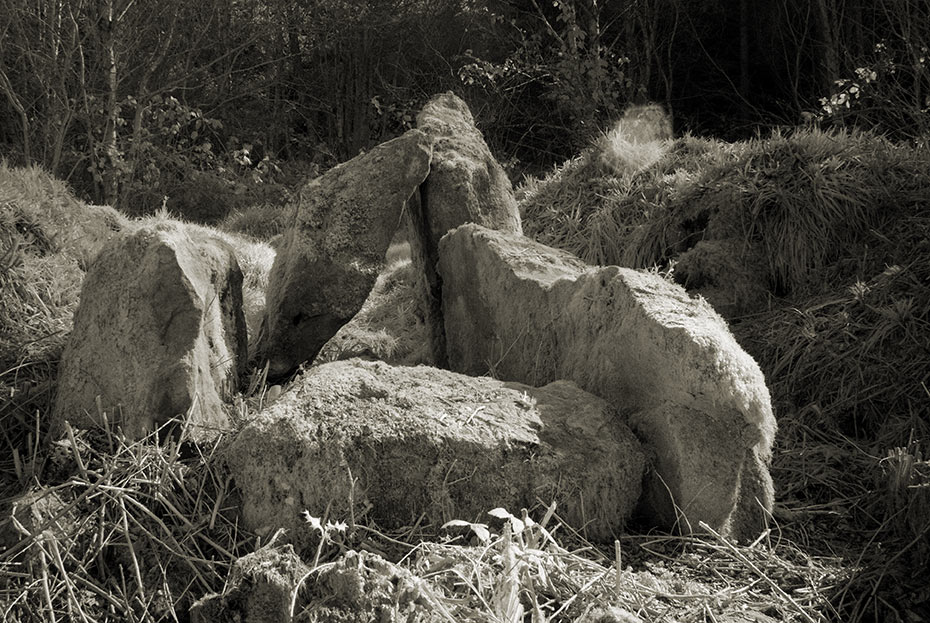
(465,185)
(332,255)
(159,333)
(526,312)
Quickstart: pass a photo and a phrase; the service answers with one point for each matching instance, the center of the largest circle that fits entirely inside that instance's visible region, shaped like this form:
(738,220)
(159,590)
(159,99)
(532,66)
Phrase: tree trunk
(21,110)
(111,153)
(745,84)
(829,56)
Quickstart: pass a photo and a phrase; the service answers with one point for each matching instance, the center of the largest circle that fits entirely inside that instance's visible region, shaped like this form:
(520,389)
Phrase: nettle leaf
(314,522)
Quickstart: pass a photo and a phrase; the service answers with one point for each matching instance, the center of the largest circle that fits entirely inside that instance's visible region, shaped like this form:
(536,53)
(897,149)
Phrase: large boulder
(526,312)
(159,333)
(465,185)
(334,251)
(424,441)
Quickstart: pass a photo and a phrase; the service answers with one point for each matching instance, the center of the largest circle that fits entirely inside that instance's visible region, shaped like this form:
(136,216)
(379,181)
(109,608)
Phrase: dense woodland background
(211,104)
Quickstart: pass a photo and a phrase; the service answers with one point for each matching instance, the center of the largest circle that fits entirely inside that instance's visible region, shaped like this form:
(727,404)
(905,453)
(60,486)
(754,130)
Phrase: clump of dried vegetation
(116,531)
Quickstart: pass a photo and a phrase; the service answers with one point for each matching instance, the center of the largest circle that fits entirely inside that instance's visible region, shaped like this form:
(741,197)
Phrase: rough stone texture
(532,314)
(159,333)
(260,589)
(362,587)
(331,256)
(465,185)
(424,440)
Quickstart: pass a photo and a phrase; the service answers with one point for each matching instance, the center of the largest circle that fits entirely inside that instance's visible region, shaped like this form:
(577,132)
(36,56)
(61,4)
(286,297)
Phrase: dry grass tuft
(597,211)
(119,531)
(260,221)
(515,569)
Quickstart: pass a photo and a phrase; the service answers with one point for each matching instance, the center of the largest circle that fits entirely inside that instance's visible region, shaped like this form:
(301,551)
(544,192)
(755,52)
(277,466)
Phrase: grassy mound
(47,238)
(816,245)
(594,204)
(809,205)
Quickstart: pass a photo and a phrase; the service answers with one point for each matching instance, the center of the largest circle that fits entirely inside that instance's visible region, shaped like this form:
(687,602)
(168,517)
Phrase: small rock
(609,614)
(261,588)
(35,516)
(363,587)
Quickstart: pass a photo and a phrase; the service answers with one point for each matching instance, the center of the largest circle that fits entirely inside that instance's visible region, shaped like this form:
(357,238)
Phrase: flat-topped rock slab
(424,441)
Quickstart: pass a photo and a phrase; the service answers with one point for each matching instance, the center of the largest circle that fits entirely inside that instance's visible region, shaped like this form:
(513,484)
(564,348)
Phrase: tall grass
(47,238)
(118,531)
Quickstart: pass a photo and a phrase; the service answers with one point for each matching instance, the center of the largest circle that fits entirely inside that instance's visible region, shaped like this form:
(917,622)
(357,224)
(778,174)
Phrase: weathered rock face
(532,314)
(361,586)
(465,185)
(423,440)
(331,256)
(159,333)
(260,589)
